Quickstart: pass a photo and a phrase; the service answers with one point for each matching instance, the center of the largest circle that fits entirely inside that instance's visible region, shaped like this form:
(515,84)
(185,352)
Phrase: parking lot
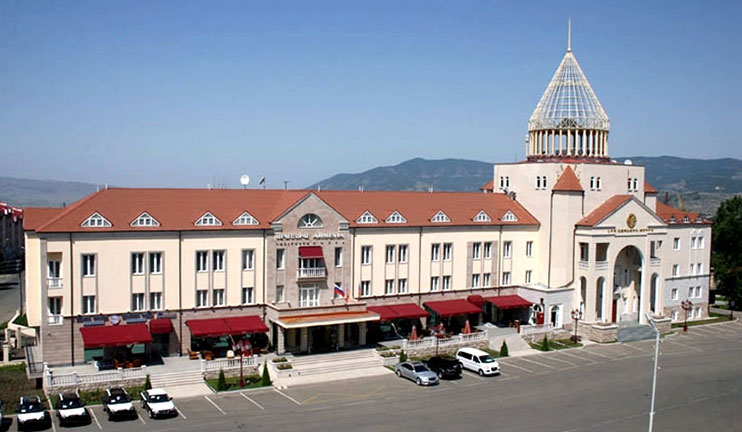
(523,380)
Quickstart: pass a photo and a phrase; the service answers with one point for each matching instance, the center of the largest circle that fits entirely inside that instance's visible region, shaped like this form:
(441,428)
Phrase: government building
(568,232)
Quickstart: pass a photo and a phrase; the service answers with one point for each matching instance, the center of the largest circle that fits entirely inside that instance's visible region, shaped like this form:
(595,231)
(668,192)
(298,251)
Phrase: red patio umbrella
(467,327)
(414,333)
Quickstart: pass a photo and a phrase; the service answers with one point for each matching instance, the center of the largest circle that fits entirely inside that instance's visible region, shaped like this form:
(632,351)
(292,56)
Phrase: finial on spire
(569,35)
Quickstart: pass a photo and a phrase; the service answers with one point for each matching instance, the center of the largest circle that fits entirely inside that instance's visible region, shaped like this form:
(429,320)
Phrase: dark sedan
(444,367)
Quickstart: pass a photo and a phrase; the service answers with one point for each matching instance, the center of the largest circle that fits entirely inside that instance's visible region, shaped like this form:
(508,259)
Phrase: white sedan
(158,403)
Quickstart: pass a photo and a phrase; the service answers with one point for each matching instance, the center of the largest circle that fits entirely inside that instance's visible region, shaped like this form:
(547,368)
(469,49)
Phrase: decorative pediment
(145,220)
(440,217)
(367,218)
(509,217)
(245,219)
(396,217)
(96,220)
(482,216)
(208,219)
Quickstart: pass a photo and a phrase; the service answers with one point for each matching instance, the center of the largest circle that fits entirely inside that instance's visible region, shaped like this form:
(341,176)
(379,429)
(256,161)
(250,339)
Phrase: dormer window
(686,219)
(367,218)
(672,219)
(310,220)
(698,219)
(245,219)
(96,221)
(145,220)
(396,217)
(509,217)
(208,219)
(440,217)
(482,217)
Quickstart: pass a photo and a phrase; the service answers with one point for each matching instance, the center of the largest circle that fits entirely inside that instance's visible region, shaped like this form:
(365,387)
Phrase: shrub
(545,344)
(402,356)
(266,381)
(280,360)
(221,385)
(504,350)
(284,366)
(147,383)
(382,348)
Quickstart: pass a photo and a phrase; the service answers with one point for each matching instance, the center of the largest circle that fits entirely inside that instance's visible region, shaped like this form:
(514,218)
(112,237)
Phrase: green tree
(504,350)
(221,385)
(402,356)
(266,375)
(545,344)
(147,383)
(726,244)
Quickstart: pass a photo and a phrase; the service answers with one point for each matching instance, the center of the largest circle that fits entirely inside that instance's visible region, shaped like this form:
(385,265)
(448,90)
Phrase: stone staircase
(334,363)
(633,331)
(176,379)
(516,344)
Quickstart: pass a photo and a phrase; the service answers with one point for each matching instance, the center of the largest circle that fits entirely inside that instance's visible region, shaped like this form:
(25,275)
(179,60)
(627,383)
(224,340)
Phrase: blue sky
(182,93)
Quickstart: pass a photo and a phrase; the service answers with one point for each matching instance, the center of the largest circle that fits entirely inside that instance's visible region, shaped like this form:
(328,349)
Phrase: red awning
(226,326)
(509,302)
(447,308)
(160,326)
(119,335)
(476,300)
(208,327)
(310,252)
(246,324)
(399,311)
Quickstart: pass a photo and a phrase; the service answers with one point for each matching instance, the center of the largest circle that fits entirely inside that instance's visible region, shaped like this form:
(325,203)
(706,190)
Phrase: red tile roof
(648,188)
(609,206)
(178,209)
(34,217)
(671,215)
(489,186)
(568,182)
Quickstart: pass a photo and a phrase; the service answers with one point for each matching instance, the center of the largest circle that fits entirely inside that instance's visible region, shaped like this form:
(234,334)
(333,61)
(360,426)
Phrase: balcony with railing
(601,265)
(55,319)
(311,273)
(54,282)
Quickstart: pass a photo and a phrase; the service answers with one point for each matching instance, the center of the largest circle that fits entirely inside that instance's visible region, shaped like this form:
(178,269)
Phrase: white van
(477,361)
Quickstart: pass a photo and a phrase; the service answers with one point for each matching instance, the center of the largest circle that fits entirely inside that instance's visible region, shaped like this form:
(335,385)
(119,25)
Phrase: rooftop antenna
(569,35)
(244,181)
(285,185)
(262,181)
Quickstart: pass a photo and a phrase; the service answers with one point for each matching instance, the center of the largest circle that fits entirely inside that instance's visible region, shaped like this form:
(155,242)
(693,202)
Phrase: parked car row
(435,368)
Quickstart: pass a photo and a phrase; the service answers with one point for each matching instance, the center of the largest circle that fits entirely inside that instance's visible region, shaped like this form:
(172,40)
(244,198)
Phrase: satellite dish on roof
(245,180)
(628,162)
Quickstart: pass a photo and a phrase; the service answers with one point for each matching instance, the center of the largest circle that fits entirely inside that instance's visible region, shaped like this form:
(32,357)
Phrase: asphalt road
(597,388)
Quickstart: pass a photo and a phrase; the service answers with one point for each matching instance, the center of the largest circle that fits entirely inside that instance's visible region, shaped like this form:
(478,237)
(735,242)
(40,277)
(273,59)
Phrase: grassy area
(95,397)
(557,345)
(22,320)
(14,384)
(492,353)
(715,318)
(233,383)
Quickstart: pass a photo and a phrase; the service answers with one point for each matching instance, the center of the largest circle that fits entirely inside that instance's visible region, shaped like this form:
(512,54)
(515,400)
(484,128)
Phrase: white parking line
(553,357)
(578,357)
(517,367)
(92,413)
(684,346)
(179,412)
(592,351)
(54,428)
(635,348)
(215,405)
(141,419)
(252,401)
(540,364)
(288,397)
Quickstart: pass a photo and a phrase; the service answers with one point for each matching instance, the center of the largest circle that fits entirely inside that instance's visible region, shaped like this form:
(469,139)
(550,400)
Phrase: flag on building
(339,291)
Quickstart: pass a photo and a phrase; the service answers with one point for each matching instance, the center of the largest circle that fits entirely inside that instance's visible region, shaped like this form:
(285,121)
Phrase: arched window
(583,294)
(599,291)
(555,316)
(310,220)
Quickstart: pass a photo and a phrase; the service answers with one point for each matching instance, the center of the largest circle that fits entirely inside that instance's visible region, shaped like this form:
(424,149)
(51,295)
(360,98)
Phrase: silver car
(416,371)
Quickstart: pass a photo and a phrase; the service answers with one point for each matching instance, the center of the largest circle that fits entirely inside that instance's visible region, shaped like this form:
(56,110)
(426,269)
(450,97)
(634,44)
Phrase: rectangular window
(137,302)
(693,242)
(675,270)
(690,292)
(88,304)
(389,286)
(338,257)
(529,248)
(155,262)
(446,283)
(248,295)
(700,268)
(55,305)
(674,315)
(476,251)
(488,250)
(447,249)
(674,293)
(692,269)
(280,259)
(676,243)
(280,298)
(434,283)
(202,261)
(365,254)
(137,263)
(601,252)
(365,288)
(88,266)
(155,301)
(698,292)
(584,251)
(506,278)
(486,279)
(202,298)
(218,297)
(507,249)
(390,254)
(218,259)
(435,252)
(54,269)
(248,259)
(528,276)
(653,249)
(701,243)
(403,253)
(402,286)
(598,184)
(475,281)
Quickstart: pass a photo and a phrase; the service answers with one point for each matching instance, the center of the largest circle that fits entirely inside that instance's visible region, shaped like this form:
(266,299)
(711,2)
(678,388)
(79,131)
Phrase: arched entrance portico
(627,285)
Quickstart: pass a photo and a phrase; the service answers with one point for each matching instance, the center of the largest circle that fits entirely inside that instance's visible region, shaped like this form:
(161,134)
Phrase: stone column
(362,333)
(280,340)
(304,339)
(6,353)
(341,335)
(585,151)
(560,143)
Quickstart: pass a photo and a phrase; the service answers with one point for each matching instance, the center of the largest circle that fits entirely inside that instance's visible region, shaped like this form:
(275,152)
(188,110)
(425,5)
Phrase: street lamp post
(240,346)
(686,305)
(577,316)
(654,373)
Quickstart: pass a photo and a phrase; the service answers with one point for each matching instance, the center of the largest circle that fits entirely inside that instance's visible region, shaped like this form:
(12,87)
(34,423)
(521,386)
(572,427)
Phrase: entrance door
(323,339)
(613,310)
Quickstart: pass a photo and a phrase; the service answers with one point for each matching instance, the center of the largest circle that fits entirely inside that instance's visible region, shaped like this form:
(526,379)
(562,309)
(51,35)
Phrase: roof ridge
(70,208)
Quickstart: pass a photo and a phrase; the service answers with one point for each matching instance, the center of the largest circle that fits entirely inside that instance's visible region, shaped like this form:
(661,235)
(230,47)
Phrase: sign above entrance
(307,236)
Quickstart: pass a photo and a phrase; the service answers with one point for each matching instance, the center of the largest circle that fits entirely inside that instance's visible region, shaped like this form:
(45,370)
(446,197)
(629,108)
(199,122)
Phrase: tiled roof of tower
(419,207)
(568,182)
(648,188)
(671,215)
(37,216)
(609,206)
(178,209)
(489,186)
